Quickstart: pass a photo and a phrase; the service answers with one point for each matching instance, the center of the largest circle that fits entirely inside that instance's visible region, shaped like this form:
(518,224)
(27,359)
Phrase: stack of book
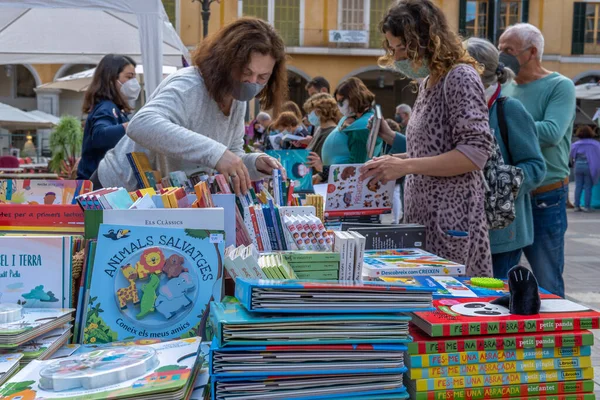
(314,265)
(379,264)
(475,349)
(42,347)
(246,262)
(306,340)
(351,246)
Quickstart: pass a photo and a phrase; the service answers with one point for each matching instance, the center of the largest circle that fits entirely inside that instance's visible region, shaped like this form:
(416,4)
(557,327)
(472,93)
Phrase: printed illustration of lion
(151,262)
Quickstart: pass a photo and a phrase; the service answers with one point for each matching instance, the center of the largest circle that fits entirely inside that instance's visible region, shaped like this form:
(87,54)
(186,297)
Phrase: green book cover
(320,275)
(307,267)
(310,256)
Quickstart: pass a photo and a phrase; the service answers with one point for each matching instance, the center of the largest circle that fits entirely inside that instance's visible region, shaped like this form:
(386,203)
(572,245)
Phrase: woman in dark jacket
(108,100)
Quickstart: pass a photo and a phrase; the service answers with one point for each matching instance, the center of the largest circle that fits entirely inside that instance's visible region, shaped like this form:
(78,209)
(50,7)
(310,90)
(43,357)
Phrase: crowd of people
(475,101)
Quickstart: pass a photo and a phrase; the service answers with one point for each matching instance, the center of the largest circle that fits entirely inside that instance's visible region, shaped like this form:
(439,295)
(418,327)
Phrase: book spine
(460,382)
(505,367)
(479,357)
(318,275)
(351,243)
(549,340)
(311,257)
(270,228)
(341,246)
(509,391)
(376,272)
(258,240)
(285,243)
(264,235)
(276,227)
(307,267)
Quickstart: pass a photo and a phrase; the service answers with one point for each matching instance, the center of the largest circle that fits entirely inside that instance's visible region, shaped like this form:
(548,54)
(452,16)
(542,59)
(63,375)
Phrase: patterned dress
(439,124)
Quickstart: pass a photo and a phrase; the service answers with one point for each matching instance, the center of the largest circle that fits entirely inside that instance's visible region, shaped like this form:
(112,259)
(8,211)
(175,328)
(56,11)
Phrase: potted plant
(65,144)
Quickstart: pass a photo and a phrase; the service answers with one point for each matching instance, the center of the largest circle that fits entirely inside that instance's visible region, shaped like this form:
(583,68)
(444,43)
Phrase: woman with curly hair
(194,121)
(323,113)
(448,135)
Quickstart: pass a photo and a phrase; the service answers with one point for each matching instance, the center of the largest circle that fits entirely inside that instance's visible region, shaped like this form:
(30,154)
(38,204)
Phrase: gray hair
(529,35)
(405,108)
(263,116)
(486,54)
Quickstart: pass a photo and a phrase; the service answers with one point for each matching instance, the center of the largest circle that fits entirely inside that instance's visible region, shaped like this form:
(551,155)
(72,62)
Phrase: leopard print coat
(438,124)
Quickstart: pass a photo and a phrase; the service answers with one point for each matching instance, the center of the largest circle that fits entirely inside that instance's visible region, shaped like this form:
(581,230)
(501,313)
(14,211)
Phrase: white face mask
(345,109)
(260,129)
(131,90)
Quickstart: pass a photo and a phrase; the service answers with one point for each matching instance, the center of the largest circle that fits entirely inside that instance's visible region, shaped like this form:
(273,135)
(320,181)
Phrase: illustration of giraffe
(128,293)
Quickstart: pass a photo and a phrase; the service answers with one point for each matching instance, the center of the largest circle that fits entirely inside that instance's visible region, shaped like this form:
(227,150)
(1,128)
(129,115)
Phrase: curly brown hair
(286,119)
(422,27)
(359,96)
(104,83)
(324,106)
(224,55)
(584,132)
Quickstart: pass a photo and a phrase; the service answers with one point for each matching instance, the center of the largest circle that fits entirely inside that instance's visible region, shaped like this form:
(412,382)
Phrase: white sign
(349,36)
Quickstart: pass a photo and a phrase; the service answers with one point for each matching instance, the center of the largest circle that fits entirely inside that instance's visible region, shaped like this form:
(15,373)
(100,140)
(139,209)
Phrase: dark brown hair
(584,132)
(324,106)
(224,55)
(286,119)
(359,96)
(104,83)
(393,125)
(292,107)
(422,27)
(318,82)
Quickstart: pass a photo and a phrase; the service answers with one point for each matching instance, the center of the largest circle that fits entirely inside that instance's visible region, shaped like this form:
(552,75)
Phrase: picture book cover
(348,194)
(454,286)
(166,369)
(523,391)
(152,282)
(35,271)
(425,344)
(295,163)
(465,317)
(41,191)
(41,346)
(34,321)
(410,265)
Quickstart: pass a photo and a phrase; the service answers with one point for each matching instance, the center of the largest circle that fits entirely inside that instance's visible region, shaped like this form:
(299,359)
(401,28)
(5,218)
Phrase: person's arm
(399,144)
(558,114)
(106,129)
(237,147)
(523,145)
(160,125)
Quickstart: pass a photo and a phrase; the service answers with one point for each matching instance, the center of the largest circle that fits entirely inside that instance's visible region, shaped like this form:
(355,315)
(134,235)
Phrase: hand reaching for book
(232,167)
(266,165)
(385,169)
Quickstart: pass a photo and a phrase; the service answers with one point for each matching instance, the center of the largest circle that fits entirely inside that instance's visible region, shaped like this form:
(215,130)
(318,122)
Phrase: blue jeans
(503,262)
(547,253)
(583,181)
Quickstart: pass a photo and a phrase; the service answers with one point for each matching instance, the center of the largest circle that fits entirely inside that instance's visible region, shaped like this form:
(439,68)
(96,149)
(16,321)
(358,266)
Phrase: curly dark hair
(104,83)
(422,27)
(584,132)
(227,52)
(359,96)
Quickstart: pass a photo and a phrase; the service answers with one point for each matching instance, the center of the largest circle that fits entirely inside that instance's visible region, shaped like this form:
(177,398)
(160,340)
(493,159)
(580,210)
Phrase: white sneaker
(577,209)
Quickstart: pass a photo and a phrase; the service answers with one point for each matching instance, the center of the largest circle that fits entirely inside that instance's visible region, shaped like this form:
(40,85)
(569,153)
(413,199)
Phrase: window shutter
(525,11)
(462,18)
(492,21)
(578,39)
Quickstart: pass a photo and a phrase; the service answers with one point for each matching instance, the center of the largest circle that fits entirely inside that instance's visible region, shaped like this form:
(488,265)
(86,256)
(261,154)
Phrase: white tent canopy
(13,118)
(588,91)
(83,31)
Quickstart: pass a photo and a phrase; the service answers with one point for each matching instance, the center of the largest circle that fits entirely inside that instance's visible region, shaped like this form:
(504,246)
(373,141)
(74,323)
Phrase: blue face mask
(314,119)
(405,68)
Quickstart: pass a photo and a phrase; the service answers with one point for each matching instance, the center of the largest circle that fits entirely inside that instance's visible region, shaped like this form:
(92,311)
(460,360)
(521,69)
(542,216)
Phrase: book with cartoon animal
(40,191)
(163,370)
(467,317)
(36,270)
(348,194)
(152,283)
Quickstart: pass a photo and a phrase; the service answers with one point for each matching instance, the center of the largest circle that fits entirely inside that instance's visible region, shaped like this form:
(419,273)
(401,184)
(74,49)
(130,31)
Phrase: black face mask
(398,118)
(510,61)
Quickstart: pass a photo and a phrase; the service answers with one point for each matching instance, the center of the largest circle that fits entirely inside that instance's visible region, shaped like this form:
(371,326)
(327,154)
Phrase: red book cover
(424,344)
(256,229)
(472,317)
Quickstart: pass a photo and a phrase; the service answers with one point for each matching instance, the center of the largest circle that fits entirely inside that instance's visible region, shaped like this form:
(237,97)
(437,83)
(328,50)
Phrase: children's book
(493,356)
(152,282)
(36,270)
(308,387)
(43,346)
(553,390)
(297,296)
(232,324)
(379,236)
(306,360)
(349,194)
(425,344)
(374,132)
(467,317)
(409,265)
(454,286)
(9,364)
(295,163)
(163,370)
(33,323)
(40,191)
(65,351)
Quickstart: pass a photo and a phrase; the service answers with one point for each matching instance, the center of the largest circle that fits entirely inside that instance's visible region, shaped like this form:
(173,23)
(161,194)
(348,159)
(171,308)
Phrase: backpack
(501,181)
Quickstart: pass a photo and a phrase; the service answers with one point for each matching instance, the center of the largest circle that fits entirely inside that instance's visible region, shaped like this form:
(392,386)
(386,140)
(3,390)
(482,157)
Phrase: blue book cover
(119,199)
(270,227)
(331,297)
(273,329)
(152,283)
(276,226)
(295,163)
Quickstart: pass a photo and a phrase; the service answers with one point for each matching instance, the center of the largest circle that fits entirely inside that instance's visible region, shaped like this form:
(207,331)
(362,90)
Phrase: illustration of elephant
(172,295)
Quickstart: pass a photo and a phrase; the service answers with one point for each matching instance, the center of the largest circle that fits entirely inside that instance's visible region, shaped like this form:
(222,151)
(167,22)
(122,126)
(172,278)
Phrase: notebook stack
(305,340)
(470,348)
